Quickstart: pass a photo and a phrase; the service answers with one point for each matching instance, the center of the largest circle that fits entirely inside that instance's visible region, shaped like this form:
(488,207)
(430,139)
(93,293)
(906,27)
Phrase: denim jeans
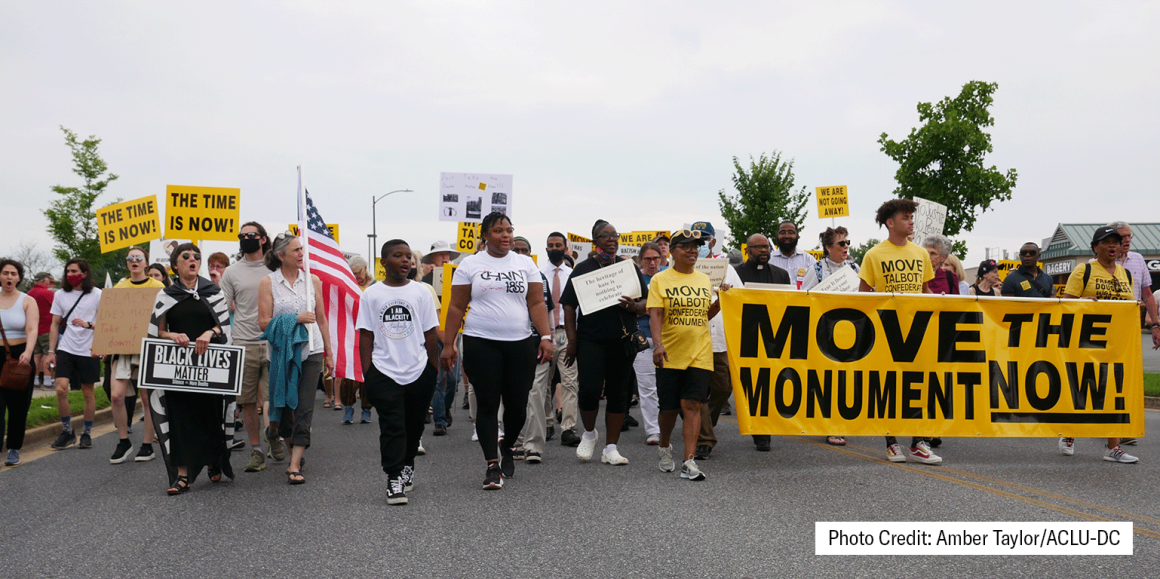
(445,386)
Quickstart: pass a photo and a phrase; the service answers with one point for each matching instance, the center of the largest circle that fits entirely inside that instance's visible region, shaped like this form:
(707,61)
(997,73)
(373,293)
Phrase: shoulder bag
(14,375)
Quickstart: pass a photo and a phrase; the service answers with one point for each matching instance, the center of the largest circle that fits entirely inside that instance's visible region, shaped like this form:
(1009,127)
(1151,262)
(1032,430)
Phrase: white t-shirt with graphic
(77,340)
(499,295)
(398,316)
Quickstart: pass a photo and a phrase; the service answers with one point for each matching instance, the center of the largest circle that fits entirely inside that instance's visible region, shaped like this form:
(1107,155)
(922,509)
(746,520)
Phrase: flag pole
(304,239)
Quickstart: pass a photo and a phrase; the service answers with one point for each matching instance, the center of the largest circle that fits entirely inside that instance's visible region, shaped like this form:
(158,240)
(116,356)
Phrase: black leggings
(16,402)
(499,371)
(603,368)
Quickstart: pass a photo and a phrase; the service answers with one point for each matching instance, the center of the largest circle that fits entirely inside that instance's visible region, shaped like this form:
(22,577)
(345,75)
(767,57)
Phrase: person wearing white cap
(440,254)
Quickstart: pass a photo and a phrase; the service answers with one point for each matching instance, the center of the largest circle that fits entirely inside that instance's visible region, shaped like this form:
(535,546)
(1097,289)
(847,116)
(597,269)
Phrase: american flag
(340,291)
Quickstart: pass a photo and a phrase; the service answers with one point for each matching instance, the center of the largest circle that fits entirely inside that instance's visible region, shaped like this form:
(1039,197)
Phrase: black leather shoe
(762,445)
(569,438)
(551,433)
(702,452)
(629,420)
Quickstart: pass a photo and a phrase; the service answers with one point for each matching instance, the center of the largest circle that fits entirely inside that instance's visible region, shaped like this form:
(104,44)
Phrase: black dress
(195,420)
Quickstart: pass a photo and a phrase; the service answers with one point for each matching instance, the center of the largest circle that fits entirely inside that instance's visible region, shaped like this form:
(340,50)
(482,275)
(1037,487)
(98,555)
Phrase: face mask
(251,245)
(703,251)
(555,255)
(75,279)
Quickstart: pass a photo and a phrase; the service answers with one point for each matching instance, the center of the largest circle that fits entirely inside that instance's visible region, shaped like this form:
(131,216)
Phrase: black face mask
(555,255)
(251,245)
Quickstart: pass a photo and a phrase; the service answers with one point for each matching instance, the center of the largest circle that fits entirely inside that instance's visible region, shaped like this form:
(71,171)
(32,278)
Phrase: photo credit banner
(202,212)
(833,202)
(167,366)
(128,223)
(869,364)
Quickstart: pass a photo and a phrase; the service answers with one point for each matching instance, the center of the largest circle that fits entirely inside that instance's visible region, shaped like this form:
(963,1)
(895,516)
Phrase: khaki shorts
(256,374)
(126,367)
(41,346)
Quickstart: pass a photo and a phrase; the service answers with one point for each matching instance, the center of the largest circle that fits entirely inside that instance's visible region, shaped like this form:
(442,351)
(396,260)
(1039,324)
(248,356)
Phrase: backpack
(1087,274)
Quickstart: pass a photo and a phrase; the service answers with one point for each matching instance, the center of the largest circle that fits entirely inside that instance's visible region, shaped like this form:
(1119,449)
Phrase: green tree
(943,160)
(857,253)
(765,197)
(72,218)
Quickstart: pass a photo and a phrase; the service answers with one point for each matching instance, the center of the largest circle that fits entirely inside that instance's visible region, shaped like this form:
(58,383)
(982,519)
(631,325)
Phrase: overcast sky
(626,111)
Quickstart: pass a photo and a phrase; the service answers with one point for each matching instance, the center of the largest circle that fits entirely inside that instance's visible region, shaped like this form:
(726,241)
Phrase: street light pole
(374,236)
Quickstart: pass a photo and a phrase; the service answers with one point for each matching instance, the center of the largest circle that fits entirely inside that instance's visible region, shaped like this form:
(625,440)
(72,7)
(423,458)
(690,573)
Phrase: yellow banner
(333,227)
(468,233)
(816,253)
(1006,266)
(833,202)
(202,212)
(128,223)
(913,365)
(445,299)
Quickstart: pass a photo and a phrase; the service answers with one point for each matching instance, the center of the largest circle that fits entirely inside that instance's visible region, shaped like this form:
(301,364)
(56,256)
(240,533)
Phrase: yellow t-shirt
(686,298)
(890,268)
(149,282)
(1100,285)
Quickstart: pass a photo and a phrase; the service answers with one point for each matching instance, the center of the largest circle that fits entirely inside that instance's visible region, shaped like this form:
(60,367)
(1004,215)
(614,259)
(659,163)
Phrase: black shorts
(77,369)
(676,385)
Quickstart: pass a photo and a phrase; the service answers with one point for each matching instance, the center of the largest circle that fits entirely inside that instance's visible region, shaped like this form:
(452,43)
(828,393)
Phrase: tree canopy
(765,197)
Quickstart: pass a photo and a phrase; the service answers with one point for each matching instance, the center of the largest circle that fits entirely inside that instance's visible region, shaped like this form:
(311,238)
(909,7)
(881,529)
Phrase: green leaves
(943,159)
(765,198)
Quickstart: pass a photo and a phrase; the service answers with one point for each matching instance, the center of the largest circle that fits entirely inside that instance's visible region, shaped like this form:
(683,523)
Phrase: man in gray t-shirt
(240,287)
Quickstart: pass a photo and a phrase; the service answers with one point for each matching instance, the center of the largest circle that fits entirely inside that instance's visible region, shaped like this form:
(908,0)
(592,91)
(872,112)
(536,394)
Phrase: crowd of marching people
(531,363)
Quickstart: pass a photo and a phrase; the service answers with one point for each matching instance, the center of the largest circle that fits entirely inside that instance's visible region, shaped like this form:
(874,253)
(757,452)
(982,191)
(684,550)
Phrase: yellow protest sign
(580,245)
(818,254)
(465,239)
(833,202)
(380,271)
(1005,266)
(202,212)
(915,365)
(128,223)
(445,298)
(333,227)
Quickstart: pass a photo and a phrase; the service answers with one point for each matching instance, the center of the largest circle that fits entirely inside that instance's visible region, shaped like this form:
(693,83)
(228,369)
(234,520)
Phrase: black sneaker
(237,444)
(702,452)
(440,430)
(507,465)
(66,439)
(629,420)
(145,453)
(395,493)
(86,441)
(408,478)
(551,433)
(121,454)
(569,438)
(493,481)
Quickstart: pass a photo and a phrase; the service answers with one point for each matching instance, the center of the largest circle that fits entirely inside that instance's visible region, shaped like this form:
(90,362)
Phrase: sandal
(215,474)
(836,440)
(295,481)
(326,404)
(337,405)
(181,486)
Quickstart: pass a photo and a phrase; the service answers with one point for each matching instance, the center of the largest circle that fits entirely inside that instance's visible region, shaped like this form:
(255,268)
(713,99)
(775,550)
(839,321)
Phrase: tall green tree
(943,160)
(765,197)
(72,217)
(857,253)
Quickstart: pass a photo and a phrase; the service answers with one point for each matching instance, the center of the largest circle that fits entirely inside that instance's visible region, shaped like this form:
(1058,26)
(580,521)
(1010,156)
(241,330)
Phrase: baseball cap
(1103,233)
(987,265)
(42,276)
(704,227)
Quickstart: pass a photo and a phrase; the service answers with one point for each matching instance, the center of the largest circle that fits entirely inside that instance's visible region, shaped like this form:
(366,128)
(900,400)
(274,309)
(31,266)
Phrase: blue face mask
(703,251)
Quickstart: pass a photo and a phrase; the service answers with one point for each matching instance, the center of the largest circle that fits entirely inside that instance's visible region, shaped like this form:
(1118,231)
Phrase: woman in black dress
(192,312)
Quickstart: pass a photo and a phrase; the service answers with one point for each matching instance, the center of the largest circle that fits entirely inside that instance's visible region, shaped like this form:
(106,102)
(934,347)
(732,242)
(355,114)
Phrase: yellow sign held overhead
(202,212)
(128,223)
(833,202)
(467,236)
(333,227)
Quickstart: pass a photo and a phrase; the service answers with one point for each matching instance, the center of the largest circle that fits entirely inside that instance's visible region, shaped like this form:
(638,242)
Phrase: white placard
(627,250)
(602,288)
(470,196)
(929,219)
(843,280)
(770,286)
(437,280)
(167,366)
(714,267)
(159,250)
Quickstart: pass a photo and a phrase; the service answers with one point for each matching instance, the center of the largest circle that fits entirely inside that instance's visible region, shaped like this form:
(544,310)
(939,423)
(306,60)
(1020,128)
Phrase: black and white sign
(167,366)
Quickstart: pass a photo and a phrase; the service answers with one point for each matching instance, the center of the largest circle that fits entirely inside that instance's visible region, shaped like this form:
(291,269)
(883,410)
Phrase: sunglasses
(134,258)
(1028,252)
(844,243)
(250,235)
(193,256)
(687,233)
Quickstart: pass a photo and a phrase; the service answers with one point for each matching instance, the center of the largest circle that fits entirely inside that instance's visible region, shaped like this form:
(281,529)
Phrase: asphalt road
(71,513)
(1151,357)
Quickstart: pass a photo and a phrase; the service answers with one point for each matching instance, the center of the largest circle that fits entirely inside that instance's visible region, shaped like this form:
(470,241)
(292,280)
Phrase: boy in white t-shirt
(397,322)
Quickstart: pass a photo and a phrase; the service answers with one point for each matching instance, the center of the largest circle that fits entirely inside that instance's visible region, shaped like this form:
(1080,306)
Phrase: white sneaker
(1067,446)
(667,464)
(653,440)
(38,381)
(894,453)
(612,456)
(421,451)
(922,453)
(1117,455)
(691,472)
(474,435)
(587,447)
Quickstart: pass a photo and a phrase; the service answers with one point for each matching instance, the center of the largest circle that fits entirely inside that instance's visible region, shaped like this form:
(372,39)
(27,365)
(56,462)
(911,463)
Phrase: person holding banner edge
(192,311)
(897,215)
(500,354)
(126,368)
(597,345)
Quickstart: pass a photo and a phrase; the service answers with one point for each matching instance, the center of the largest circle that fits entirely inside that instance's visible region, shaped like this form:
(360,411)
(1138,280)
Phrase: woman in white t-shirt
(506,295)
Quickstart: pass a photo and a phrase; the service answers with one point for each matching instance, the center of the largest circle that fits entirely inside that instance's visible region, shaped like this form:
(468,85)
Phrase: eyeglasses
(193,256)
(844,243)
(650,258)
(250,235)
(134,258)
(607,235)
(1028,252)
(758,247)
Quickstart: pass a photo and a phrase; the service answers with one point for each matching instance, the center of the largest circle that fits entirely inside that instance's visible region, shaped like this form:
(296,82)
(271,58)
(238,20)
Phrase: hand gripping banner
(907,365)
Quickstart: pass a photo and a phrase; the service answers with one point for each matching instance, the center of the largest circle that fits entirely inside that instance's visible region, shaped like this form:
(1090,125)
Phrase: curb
(1152,402)
(41,434)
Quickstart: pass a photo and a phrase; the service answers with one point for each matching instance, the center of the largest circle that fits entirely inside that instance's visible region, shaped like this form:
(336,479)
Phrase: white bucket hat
(437,247)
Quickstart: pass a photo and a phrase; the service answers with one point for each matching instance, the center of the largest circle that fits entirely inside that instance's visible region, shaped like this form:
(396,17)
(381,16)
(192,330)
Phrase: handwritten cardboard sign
(929,219)
(602,288)
(202,212)
(123,320)
(128,223)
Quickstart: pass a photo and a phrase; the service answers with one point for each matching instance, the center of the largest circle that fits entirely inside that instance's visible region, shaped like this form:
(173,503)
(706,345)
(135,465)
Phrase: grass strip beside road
(43,409)
(1151,384)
